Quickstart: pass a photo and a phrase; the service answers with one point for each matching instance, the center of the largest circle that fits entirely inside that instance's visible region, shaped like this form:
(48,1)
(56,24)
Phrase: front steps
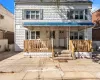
(64,55)
(38,54)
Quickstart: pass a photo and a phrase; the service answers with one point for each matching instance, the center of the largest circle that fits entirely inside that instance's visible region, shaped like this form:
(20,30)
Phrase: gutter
(67,2)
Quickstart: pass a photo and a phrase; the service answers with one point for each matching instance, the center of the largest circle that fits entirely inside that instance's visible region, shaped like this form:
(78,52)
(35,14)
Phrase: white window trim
(30,14)
(78,34)
(35,34)
(78,10)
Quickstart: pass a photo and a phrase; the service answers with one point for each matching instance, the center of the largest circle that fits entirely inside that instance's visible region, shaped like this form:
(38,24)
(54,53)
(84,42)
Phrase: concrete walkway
(19,67)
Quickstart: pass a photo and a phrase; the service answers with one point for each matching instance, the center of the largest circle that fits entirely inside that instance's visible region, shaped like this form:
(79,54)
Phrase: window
(26,34)
(86,14)
(33,14)
(27,14)
(52,34)
(77,35)
(81,35)
(1,16)
(77,14)
(35,34)
(62,34)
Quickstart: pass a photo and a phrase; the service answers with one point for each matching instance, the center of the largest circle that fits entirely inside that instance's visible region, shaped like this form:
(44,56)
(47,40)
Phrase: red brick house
(96,29)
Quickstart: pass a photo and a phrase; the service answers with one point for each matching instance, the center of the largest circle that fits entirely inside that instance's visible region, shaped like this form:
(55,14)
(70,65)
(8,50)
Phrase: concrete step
(63,58)
(65,55)
(65,52)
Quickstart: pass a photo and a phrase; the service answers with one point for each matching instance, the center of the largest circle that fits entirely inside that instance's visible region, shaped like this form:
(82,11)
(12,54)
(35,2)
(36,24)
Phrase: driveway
(19,67)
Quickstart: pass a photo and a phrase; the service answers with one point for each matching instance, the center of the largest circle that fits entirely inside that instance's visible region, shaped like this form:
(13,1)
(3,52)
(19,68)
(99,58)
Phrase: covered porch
(56,38)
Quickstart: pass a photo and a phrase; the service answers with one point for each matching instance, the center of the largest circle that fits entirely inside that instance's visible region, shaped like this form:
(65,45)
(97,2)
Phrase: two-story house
(45,26)
(6,23)
(6,29)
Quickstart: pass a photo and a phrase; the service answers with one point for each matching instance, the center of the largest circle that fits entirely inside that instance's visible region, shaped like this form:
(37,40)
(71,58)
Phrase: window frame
(1,16)
(35,10)
(78,35)
(72,17)
(52,34)
(35,35)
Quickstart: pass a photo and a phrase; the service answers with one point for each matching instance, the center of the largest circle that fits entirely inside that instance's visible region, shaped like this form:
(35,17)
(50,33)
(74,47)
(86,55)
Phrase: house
(96,21)
(6,27)
(96,29)
(47,26)
(6,24)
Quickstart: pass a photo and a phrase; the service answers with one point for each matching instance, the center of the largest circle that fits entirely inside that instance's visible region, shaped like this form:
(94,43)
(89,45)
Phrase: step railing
(37,46)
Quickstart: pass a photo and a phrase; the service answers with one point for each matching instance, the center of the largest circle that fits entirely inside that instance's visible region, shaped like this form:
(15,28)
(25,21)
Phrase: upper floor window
(78,14)
(33,14)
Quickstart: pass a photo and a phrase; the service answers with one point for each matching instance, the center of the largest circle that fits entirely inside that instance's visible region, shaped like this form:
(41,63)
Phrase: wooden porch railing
(82,45)
(71,48)
(37,46)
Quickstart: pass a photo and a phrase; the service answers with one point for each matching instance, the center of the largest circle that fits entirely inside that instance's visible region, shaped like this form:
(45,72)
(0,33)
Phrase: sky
(9,4)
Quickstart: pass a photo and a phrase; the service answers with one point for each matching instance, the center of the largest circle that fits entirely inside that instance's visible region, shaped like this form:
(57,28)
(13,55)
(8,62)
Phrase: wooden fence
(37,46)
(82,45)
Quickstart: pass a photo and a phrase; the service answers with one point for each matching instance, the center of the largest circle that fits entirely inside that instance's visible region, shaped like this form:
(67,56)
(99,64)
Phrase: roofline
(6,9)
(96,11)
(24,2)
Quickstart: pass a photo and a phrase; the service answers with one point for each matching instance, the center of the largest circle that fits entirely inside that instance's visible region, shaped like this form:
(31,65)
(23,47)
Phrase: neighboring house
(6,25)
(96,29)
(38,22)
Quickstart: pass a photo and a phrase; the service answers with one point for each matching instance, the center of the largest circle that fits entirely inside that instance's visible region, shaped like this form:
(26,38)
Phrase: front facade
(36,20)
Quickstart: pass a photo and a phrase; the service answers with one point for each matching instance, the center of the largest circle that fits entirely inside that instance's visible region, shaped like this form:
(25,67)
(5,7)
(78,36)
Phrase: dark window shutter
(86,14)
(68,14)
(41,14)
(23,14)
(26,34)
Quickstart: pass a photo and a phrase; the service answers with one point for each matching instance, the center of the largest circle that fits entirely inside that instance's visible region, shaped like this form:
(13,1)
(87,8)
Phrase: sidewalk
(19,67)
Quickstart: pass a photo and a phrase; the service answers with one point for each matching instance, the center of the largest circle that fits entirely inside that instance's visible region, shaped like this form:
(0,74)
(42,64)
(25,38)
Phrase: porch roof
(52,24)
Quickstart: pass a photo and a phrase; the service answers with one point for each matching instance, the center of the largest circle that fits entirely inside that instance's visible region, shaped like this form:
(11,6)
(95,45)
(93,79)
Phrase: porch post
(85,33)
(78,32)
(78,40)
(51,33)
(69,38)
(52,47)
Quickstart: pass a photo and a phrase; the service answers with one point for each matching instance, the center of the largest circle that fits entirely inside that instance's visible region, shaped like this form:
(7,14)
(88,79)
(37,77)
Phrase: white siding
(88,34)
(51,13)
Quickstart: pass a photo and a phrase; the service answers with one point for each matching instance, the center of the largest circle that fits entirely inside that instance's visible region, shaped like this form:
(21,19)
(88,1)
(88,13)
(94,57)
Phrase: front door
(62,38)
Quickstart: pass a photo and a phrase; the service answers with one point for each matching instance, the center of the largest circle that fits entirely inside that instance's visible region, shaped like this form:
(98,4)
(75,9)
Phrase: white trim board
(38,54)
